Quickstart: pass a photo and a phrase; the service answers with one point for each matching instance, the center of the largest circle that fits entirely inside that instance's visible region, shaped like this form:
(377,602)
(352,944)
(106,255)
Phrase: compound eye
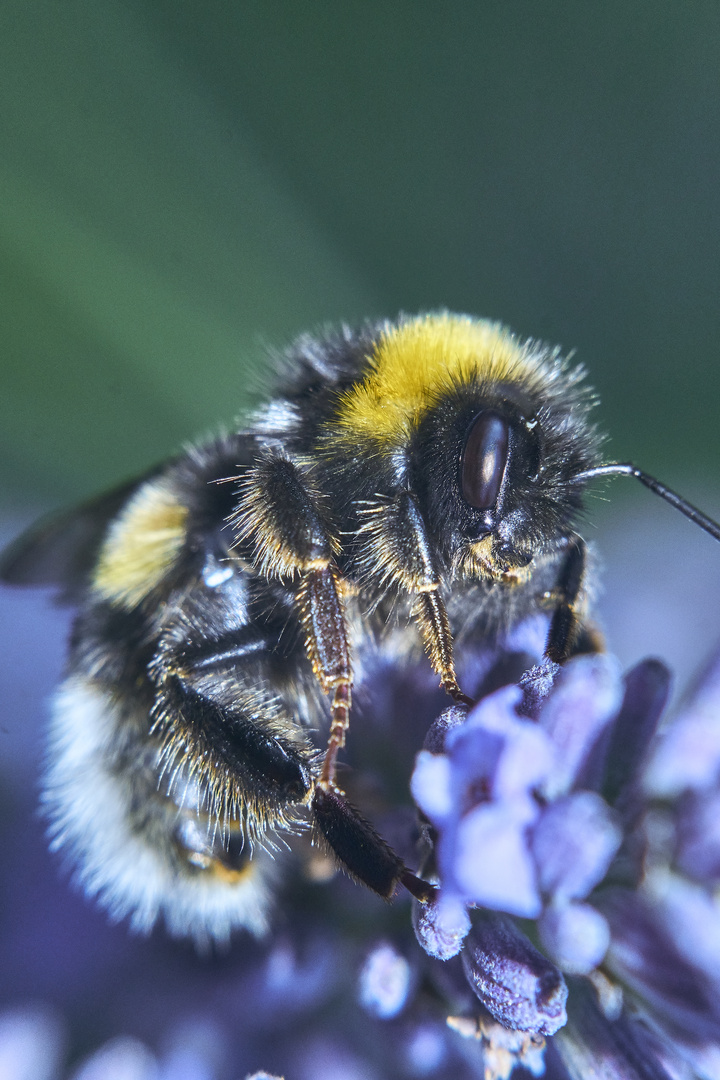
(484,460)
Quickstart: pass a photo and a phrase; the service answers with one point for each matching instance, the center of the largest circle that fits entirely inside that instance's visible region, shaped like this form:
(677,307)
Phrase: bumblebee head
(488,433)
(495,467)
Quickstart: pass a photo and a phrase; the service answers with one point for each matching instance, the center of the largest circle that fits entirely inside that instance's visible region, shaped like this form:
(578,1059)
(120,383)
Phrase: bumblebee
(416,481)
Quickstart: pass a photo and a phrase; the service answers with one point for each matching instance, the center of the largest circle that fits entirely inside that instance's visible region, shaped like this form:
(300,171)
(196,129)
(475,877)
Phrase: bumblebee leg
(251,763)
(282,516)
(352,838)
(361,850)
(238,738)
(403,546)
(323,621)
(429,612)
(566,622)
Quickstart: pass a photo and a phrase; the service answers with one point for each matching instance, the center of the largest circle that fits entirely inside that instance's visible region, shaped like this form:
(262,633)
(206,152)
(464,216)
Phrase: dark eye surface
(484,460)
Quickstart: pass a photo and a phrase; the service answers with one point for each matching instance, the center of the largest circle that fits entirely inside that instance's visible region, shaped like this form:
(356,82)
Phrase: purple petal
(586,697)
(691,916)
(576,936)
(702,1058)
(688,754)
(512,755)
(614,1048)
(647,687)
(491,863)
(698,836)
(573,842)
(644,955)
(432,786)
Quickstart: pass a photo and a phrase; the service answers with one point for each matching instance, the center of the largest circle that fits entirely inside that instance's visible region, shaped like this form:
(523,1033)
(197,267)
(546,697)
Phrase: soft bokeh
(183,182)
(184,185)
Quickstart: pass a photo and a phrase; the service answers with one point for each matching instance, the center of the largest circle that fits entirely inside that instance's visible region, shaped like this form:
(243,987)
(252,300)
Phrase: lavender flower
(587,942)
(512,834)
(582,819)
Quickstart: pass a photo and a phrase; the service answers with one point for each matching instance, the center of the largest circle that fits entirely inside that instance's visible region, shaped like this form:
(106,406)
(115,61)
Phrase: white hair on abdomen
(91,803)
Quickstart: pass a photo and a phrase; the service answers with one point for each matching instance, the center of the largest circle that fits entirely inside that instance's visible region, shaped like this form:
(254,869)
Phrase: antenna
(614,468)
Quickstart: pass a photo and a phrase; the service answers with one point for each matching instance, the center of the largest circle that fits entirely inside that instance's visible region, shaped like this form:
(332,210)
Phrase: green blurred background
(183,183)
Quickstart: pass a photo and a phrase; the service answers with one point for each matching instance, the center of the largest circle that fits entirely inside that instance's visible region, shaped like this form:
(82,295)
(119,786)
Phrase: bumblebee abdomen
(125,839)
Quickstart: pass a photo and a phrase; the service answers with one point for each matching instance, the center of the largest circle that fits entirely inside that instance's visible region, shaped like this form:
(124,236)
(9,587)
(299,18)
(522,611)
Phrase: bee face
(486,474)
(226,601)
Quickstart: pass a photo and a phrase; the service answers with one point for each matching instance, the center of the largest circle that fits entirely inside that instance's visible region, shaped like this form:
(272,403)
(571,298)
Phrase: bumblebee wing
(62,547)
